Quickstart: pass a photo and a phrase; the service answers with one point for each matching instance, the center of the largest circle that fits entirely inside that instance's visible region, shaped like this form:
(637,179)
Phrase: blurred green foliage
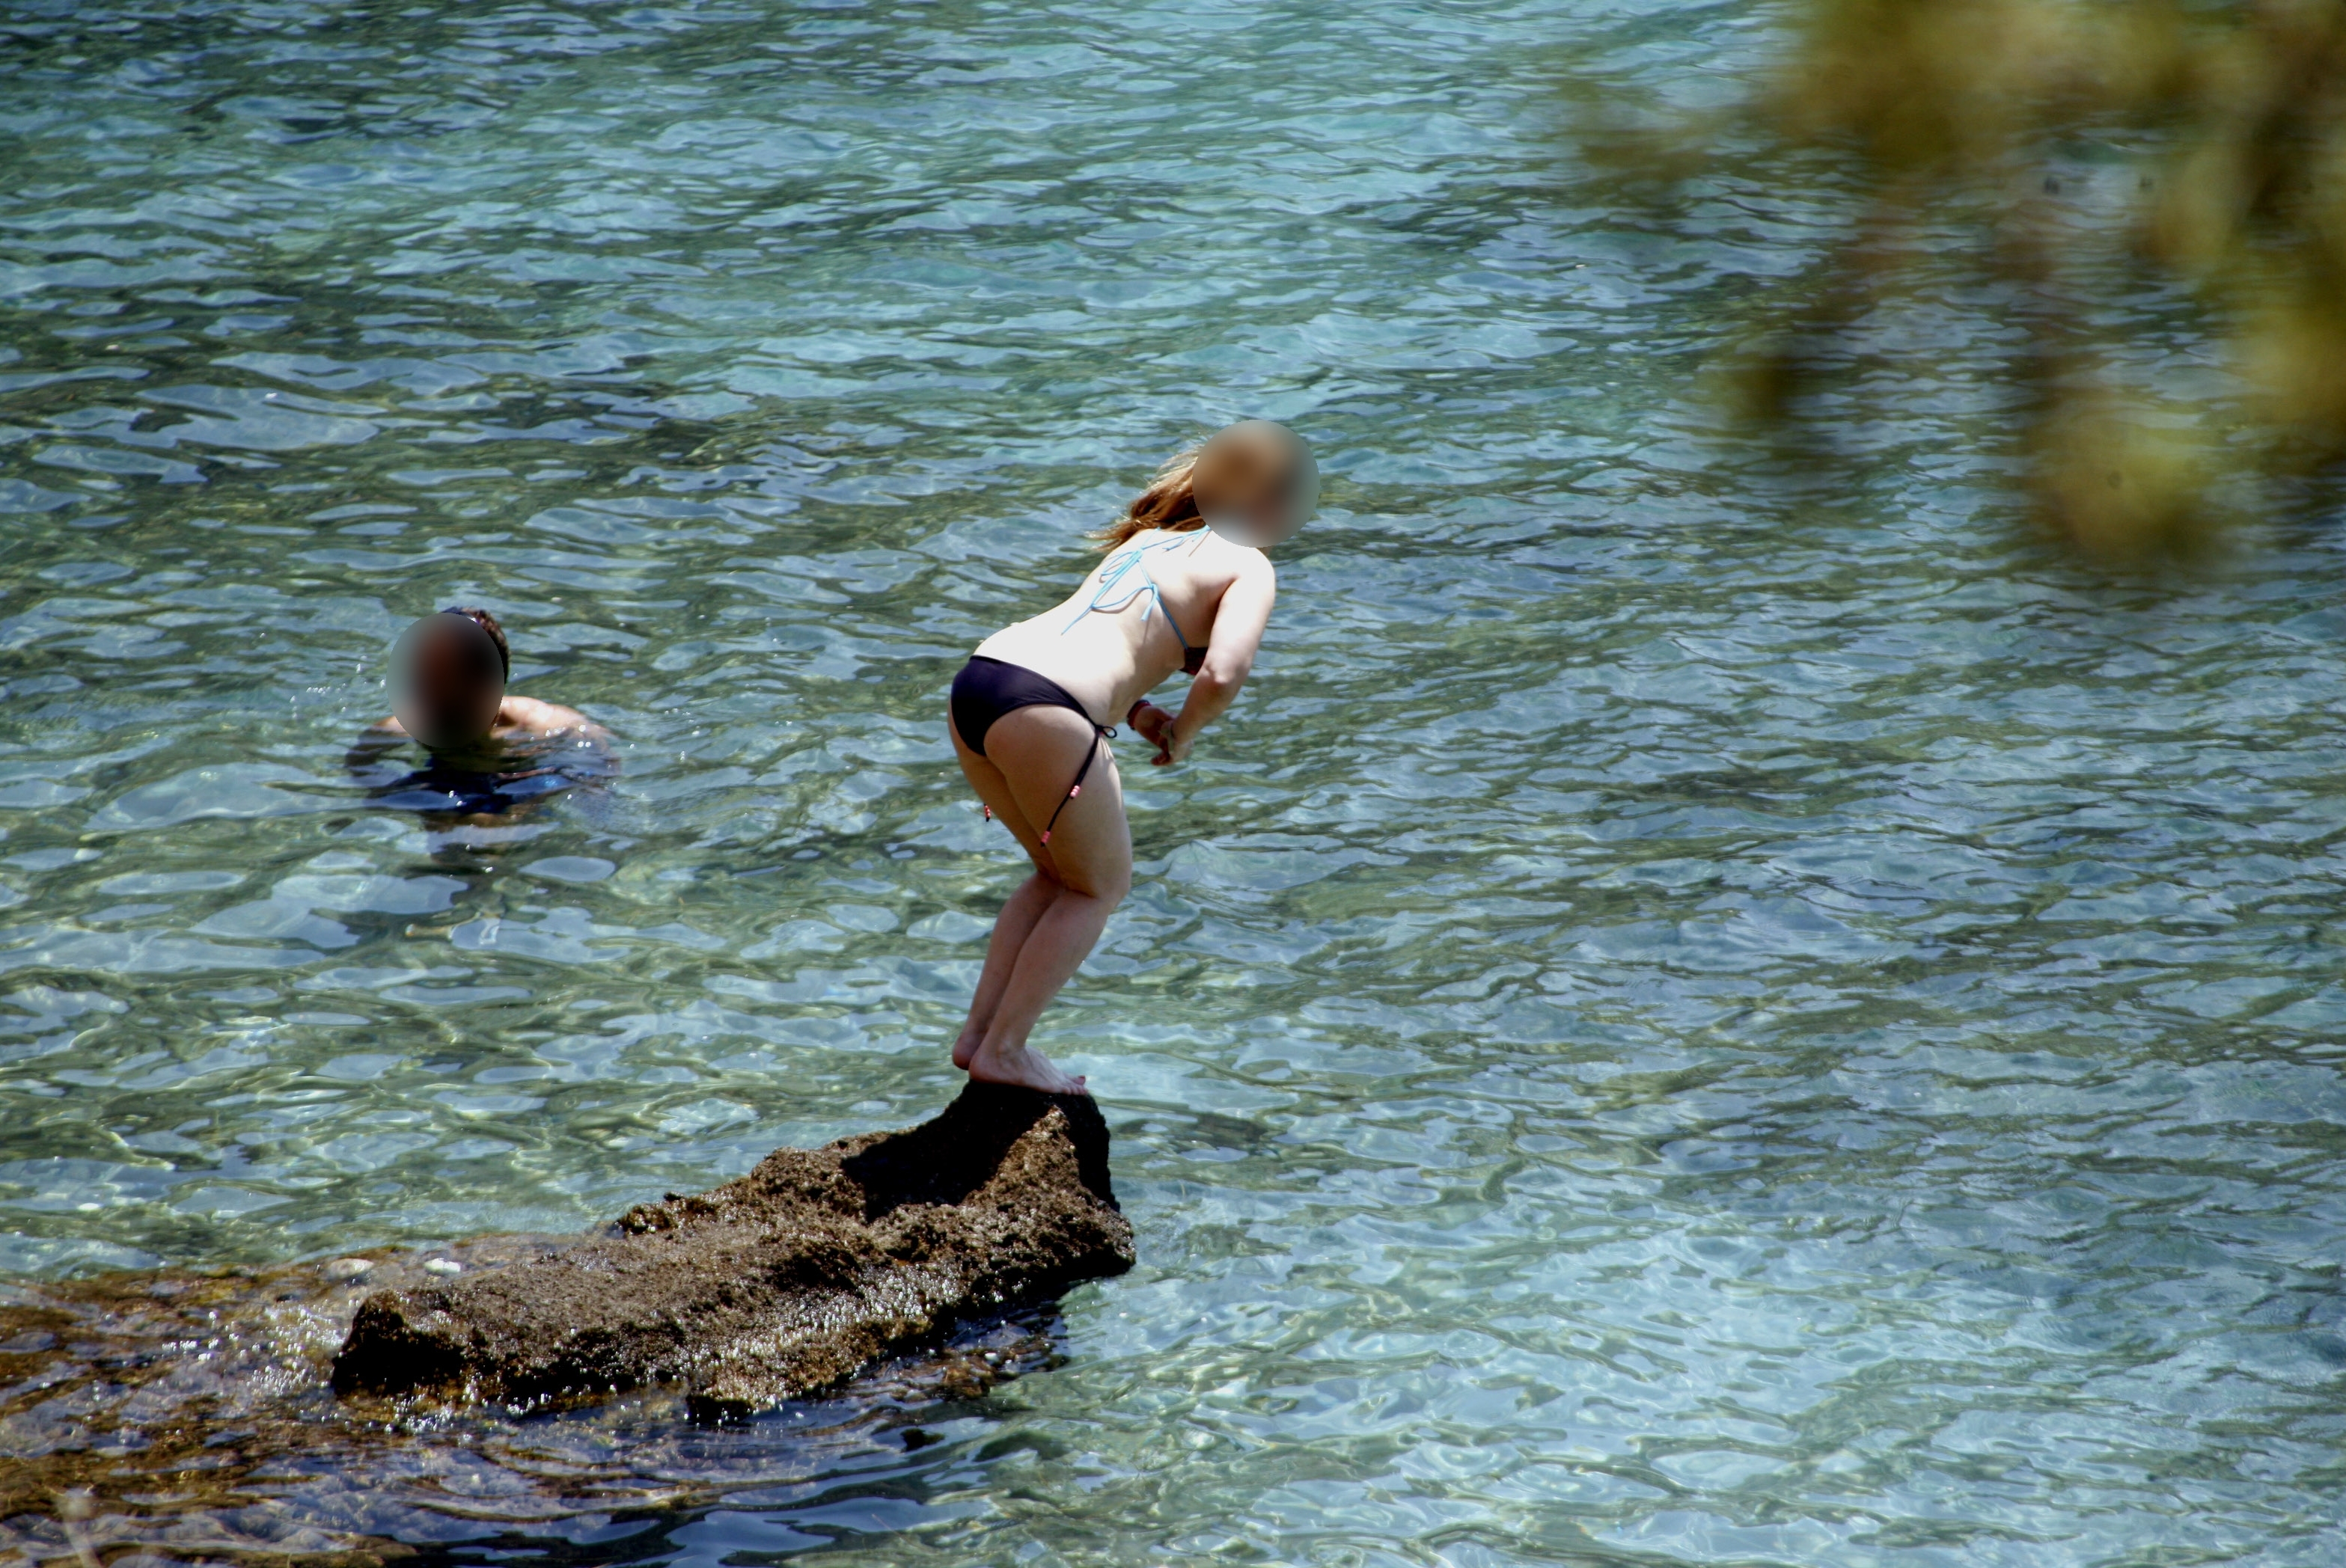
(2179,314)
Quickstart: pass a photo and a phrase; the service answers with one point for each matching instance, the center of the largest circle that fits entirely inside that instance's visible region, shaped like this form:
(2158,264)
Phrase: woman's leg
(1032,755)
(1024,907)
(1019,913)
(1011,928)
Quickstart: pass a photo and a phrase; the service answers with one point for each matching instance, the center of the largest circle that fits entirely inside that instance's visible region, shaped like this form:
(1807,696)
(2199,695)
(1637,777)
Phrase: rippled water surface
(1690,1015)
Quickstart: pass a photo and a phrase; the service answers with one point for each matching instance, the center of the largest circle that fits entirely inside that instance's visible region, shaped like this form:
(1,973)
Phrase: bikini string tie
(1107,732)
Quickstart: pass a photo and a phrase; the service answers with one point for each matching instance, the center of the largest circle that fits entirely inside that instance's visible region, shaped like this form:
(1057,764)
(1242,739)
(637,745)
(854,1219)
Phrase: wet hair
(488,623)
(1168,502)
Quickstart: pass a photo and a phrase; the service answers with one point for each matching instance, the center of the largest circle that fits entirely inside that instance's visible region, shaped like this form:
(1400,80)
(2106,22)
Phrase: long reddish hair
(1169,504)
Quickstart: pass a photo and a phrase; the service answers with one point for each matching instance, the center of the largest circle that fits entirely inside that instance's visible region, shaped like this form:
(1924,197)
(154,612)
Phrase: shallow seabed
(1692,1014)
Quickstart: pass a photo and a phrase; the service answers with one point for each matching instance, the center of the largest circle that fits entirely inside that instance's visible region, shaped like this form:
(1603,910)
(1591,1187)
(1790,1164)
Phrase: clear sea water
(1699,1010)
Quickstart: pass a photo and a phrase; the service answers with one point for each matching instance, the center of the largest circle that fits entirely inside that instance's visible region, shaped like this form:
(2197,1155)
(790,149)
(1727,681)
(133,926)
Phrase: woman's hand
(1155,726)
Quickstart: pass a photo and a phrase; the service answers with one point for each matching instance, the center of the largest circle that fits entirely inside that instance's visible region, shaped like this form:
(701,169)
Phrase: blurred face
(1255,482)
(446,682)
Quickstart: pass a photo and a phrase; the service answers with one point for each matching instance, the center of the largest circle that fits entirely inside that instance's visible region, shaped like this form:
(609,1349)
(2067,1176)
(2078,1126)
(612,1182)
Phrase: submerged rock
(782,1282)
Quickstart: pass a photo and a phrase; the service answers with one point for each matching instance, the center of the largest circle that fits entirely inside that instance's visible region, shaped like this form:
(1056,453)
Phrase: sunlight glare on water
(1688,1016)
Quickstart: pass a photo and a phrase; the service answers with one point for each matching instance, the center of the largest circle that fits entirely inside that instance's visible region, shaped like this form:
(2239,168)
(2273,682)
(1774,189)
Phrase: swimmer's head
(1253,483)
(448,678)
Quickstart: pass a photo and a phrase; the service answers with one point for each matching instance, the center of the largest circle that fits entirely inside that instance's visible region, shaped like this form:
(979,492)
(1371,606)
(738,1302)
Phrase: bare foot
(1018,1065)
(966,1047)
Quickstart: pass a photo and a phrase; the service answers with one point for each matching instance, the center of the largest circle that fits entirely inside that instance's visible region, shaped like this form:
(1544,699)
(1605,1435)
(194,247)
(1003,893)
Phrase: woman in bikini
(1032,711)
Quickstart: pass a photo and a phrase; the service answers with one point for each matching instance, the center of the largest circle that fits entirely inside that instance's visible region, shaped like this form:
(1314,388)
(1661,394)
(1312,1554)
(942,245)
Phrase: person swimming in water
(1030,712)
(490,751)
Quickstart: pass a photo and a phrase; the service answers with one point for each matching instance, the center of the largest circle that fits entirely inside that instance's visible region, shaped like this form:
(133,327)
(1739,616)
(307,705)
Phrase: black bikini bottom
(987,688)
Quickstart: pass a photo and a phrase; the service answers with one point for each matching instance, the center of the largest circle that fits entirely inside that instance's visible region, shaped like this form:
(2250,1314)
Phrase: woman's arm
(1239,624)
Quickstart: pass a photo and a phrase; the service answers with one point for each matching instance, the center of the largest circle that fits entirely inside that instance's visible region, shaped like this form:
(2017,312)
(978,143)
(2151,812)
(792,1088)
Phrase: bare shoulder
(373,744)
(533,716)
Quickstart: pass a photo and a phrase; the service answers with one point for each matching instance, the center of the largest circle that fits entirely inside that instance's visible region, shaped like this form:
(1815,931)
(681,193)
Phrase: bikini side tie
(1107,732)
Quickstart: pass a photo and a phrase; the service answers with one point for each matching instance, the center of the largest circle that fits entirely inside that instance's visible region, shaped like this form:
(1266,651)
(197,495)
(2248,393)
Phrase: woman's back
(1147,610)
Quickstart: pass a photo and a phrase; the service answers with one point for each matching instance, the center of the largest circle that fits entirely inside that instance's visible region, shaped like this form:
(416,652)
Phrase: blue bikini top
(1121,567)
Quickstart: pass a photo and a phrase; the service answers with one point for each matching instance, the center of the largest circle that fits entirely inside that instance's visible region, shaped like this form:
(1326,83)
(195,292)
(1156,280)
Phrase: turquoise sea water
(1694,1014)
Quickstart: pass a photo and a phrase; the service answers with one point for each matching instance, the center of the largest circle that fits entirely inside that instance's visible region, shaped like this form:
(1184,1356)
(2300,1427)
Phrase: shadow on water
(509,789)
(190,1413)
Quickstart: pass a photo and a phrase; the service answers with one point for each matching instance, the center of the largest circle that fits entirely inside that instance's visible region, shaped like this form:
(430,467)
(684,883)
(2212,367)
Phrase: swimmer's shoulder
(371,749)
(530,716)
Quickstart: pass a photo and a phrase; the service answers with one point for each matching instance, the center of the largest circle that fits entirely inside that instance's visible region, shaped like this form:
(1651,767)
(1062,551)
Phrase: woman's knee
(1108,885)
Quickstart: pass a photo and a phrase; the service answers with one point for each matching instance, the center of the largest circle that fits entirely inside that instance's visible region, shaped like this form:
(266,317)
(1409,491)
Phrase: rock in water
(782,1282)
